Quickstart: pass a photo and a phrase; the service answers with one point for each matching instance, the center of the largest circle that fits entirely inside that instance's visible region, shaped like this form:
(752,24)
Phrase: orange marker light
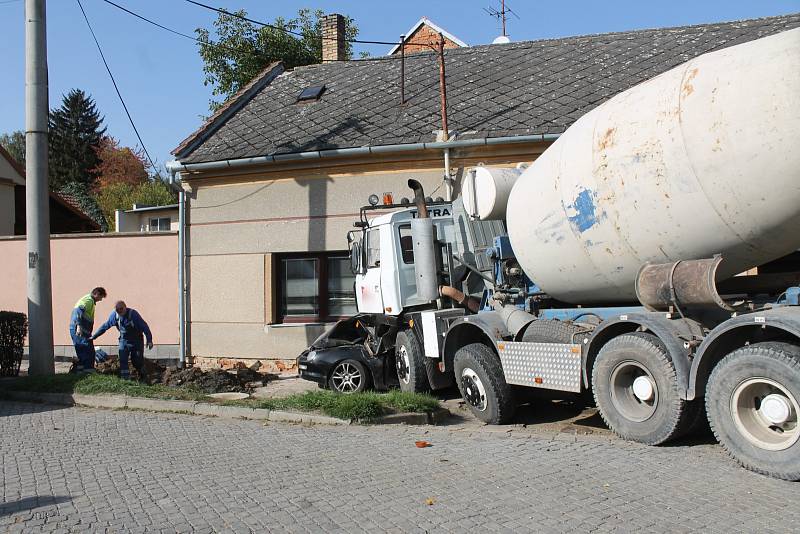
(538,379)
(388,199)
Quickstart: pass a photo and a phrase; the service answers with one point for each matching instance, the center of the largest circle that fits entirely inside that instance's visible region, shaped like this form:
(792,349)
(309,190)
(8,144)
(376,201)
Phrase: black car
(343,359)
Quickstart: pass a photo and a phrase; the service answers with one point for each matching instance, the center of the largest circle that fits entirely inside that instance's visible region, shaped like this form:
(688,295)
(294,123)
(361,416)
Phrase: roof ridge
(624,32)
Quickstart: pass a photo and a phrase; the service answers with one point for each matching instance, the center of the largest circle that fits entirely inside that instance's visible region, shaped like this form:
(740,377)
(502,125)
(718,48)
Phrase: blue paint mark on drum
(584,210)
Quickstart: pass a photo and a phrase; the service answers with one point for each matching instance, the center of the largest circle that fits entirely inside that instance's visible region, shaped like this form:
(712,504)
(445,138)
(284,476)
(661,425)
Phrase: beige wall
(6,208)
(139,220)
(141,269)
(234,228)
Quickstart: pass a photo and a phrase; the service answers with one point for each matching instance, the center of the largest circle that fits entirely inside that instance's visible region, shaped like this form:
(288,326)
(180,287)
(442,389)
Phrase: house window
(315,287)
(159,224)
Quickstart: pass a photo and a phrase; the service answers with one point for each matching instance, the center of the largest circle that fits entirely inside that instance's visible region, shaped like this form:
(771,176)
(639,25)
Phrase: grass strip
(361,406)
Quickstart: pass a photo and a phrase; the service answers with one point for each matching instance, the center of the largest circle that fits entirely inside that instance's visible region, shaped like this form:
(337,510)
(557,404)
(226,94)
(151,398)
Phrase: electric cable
(116,88)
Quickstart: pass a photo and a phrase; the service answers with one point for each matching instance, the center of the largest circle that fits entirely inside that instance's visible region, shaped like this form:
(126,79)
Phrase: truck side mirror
(355,257)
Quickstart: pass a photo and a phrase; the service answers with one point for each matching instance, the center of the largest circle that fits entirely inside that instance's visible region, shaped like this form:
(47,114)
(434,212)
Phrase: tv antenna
(500,14)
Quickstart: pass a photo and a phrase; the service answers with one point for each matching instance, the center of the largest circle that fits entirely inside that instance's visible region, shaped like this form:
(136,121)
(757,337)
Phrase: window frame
(323,304)
(158,221)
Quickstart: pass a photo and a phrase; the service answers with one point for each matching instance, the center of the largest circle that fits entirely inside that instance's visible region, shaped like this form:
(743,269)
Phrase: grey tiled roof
(534,87)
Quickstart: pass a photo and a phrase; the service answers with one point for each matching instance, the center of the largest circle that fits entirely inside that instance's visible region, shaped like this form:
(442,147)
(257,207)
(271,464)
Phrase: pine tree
(75,132)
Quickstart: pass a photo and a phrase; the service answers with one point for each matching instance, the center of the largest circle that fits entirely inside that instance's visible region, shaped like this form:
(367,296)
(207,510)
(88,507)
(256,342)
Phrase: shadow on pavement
(10,407)
(31,503)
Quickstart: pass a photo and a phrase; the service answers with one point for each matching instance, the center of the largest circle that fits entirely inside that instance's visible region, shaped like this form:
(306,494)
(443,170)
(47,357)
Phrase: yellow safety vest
(87,303)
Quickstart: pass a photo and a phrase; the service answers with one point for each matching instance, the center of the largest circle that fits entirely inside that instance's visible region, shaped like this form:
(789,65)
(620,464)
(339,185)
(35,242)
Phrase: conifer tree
(75,133)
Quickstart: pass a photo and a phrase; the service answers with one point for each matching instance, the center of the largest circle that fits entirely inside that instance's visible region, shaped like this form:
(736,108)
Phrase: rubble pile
(240,380)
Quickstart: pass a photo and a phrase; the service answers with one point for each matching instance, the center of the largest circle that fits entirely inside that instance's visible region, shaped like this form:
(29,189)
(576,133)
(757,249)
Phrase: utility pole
(37,198)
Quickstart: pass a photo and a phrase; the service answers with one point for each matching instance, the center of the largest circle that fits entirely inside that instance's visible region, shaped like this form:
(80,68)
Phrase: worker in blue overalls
(81,324)
(132,333)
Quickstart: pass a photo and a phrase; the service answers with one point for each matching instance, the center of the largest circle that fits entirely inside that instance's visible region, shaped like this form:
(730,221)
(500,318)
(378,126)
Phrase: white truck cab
(385,280)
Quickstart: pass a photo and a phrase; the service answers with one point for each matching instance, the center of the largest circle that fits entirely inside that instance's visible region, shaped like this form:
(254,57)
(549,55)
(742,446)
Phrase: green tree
(243,49)
(14,143)
(75,134)
(123,195)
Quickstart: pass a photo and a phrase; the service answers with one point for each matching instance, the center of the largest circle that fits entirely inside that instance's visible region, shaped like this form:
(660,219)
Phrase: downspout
(448,182)
(174,180)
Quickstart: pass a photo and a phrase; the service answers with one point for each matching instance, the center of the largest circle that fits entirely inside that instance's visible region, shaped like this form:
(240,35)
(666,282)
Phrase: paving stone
(141,471)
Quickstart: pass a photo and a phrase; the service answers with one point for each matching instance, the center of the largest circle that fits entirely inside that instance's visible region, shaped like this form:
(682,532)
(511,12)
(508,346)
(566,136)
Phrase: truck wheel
(752,401)
(636,390)
(482,384)
(550,331)
(410,363)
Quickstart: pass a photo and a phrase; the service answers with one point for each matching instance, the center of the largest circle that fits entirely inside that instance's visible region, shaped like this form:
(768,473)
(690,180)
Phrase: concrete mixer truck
(611,266)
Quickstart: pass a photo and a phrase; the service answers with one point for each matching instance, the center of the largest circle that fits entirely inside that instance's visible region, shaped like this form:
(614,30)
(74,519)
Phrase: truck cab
(382,256)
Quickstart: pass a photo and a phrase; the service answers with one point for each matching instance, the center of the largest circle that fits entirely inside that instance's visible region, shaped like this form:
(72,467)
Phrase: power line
(279,28)
(225,47)
(116,88)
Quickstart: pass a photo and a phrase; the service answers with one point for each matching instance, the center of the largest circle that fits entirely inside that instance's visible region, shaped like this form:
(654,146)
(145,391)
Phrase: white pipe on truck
(700,160)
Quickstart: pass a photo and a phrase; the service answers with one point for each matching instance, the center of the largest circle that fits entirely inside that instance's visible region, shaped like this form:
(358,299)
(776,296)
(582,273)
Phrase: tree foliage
(14,143)
(123,195)
(120,164)
(75,132)
(243,49)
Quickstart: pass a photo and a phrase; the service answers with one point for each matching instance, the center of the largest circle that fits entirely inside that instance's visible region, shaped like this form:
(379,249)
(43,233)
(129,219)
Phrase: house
(66,216)
(274,180)
(147,219)
(424,36)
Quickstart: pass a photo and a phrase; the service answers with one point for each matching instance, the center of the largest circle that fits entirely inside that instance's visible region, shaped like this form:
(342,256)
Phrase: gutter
(174,184)
(176,166)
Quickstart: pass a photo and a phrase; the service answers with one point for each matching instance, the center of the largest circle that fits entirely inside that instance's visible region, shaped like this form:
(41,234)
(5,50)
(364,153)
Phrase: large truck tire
(550,331)
(636,390)
(752,401)
(410,363)
(483,385)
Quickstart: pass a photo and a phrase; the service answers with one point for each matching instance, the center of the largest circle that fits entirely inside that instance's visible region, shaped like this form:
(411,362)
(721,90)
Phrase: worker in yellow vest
(81,325)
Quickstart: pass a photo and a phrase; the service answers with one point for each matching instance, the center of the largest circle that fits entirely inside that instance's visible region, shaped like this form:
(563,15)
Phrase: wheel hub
(471,393)
(776,409)
(765,413)
(474,392)
(634,392)
(644,388)
(402,363)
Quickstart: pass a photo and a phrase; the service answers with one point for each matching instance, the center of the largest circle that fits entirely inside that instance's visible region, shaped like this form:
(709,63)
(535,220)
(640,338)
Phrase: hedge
(13,329)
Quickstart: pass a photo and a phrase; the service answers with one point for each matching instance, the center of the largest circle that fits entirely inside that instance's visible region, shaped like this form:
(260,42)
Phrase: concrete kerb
(215,410)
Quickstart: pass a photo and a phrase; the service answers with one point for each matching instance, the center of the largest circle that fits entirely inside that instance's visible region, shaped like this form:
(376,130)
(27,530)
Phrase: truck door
(368,285)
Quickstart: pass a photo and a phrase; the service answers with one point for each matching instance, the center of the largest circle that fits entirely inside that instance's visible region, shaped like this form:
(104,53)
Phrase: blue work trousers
(133,350)
(84,350)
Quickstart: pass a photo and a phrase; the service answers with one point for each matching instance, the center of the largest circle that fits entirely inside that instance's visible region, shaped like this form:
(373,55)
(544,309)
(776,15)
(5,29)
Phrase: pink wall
(140,269)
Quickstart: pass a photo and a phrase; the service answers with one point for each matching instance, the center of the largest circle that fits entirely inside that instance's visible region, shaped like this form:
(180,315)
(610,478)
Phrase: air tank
(703,159)
(485,191)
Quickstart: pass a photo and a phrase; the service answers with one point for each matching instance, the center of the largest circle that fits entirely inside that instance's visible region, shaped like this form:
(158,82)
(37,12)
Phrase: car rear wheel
(349,376)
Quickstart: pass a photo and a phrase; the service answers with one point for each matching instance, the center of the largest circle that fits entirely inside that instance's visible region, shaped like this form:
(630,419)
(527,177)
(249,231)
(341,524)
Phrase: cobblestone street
(73,469)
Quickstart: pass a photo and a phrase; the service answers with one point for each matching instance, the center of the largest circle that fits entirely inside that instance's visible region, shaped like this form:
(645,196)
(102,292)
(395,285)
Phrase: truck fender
(485,327)
(674,333)
(778,324)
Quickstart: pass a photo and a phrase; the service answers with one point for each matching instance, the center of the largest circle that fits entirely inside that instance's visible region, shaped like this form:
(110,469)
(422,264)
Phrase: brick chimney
(333,37)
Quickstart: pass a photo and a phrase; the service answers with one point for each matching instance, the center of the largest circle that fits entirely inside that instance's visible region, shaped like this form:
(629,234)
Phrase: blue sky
(160,74)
